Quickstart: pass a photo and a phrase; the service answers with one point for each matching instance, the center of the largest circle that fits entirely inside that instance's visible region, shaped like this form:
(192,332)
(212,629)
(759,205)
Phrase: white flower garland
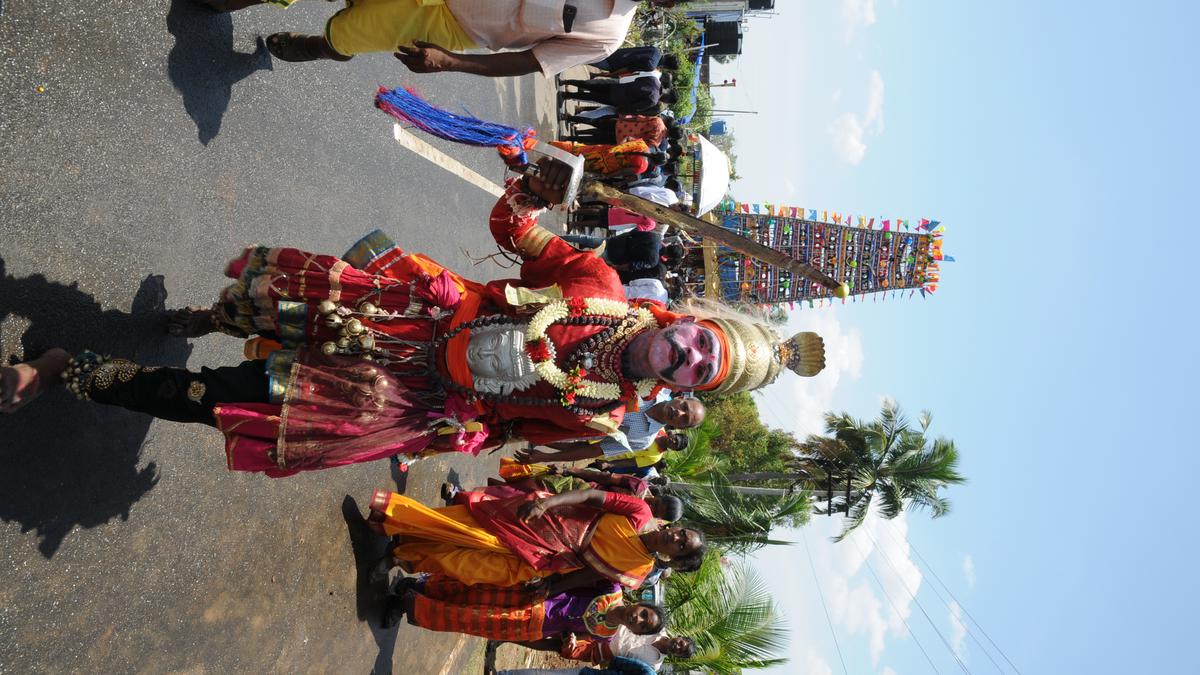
(549,371)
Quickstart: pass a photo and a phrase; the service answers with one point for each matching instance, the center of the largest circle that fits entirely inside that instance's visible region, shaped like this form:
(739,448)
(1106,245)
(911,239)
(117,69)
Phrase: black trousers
(605,131)
(176,394)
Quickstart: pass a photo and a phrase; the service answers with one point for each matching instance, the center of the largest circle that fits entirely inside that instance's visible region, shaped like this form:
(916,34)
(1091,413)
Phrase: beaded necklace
(601,352)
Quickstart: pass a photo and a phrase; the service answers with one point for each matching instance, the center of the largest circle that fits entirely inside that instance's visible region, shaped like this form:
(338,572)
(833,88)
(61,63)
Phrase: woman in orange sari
(623,160)
(504,542)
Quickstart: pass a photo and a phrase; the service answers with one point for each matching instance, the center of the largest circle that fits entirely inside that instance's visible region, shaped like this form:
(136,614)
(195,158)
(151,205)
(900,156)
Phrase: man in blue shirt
(637,431)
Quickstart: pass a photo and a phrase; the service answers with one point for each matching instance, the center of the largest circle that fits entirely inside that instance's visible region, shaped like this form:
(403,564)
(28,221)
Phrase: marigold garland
(574,384)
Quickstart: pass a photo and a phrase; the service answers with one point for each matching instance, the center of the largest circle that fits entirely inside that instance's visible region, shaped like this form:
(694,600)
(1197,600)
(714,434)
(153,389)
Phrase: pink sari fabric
(340,411)
(279,290)
(549,543)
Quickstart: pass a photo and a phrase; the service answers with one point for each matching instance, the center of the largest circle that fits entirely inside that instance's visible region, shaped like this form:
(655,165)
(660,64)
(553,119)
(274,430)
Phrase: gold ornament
(757,355)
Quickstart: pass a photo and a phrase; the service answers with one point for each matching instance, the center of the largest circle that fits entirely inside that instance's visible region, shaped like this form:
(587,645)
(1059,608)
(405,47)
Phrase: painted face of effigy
(684,354)
(497,360)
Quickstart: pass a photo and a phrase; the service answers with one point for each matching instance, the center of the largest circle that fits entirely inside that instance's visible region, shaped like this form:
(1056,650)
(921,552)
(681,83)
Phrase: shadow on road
(203,65)
(69,463)
(368,548)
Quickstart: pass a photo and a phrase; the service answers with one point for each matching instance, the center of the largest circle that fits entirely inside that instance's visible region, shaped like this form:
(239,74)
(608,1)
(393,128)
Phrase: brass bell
(382,383)
(368,308)
(354,327)
(367,341)
(343,343)
(329,348)
(326,307)
(333,321)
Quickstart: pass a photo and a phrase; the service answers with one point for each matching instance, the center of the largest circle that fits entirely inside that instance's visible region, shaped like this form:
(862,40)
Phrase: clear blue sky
(1057,142)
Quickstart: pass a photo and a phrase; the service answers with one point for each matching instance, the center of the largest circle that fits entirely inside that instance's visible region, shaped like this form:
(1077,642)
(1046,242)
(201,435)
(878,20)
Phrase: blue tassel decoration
(405,105)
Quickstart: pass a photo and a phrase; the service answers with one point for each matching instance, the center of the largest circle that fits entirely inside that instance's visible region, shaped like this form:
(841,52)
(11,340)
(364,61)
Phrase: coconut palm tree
(884,461)
(699,458)
(736,522)
(728,610)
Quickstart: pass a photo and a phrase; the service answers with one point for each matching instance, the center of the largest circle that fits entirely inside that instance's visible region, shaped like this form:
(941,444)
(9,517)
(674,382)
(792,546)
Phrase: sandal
(292,47)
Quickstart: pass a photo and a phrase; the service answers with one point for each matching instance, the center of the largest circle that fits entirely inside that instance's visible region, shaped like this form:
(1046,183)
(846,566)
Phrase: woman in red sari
(504,542)
(523,479)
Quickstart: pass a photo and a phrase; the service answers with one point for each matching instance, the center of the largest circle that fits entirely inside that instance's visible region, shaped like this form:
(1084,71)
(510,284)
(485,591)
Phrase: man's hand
(551,181)
(425,57)
(532,509)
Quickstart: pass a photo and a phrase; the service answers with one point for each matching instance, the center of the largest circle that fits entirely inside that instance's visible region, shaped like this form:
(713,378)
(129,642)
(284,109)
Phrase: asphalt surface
(143,145)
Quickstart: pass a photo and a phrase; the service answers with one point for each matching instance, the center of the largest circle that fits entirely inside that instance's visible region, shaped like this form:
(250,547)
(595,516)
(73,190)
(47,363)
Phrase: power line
(938,593)
(871,569)
(817,584)
(964,609)
(921,607)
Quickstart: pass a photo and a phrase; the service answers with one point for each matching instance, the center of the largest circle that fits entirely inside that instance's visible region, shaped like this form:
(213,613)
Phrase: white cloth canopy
(714,176)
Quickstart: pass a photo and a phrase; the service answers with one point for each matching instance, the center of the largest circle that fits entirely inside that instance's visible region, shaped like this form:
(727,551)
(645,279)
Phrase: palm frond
(858,514)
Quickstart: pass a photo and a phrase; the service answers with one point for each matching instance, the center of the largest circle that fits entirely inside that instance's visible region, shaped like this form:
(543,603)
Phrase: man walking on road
(430,36)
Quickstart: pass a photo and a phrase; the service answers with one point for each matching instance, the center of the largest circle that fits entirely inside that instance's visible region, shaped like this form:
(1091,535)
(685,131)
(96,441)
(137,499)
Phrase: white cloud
(798,404)
(857,14)
(847,135)
(874,115)
(958,631)
(887,670)
(849,130)
(969,570)
(859,611)
(856,604)
(815,664)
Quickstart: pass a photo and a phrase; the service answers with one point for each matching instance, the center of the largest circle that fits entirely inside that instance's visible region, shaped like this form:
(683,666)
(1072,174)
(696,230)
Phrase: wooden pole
(710,232)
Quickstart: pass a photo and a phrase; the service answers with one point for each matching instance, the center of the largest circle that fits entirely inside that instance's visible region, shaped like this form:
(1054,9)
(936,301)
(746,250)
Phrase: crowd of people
(383,353)
(629,138)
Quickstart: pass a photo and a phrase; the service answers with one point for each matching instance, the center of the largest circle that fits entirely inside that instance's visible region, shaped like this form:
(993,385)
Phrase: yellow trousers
(382,25)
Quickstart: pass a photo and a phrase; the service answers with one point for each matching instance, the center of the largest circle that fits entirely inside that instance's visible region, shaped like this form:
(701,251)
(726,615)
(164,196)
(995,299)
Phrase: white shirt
(641,647)
(598,30)
(651,289)
(626,79)
(656,194)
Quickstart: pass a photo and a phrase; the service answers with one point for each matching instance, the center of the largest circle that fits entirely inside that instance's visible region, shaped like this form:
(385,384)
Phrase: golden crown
(757,355)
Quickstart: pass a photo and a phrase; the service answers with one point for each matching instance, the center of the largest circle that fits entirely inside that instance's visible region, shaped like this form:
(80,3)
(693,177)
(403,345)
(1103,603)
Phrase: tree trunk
(767,475)
(740,489)
(691,225)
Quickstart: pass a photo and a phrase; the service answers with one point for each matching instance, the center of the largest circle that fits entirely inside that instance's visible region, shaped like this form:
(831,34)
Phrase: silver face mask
(497,360)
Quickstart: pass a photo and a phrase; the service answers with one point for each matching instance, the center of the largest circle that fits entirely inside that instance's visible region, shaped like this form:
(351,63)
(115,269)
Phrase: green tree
(699,459)
(743,441)
(728,610)
(885,460)
(736,522)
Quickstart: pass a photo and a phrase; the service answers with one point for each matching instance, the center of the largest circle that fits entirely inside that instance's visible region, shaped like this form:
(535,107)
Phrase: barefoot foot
(24,382)
(191,322)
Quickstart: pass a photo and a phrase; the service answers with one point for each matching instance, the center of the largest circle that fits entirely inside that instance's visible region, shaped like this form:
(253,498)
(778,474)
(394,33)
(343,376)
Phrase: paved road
(141,146)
